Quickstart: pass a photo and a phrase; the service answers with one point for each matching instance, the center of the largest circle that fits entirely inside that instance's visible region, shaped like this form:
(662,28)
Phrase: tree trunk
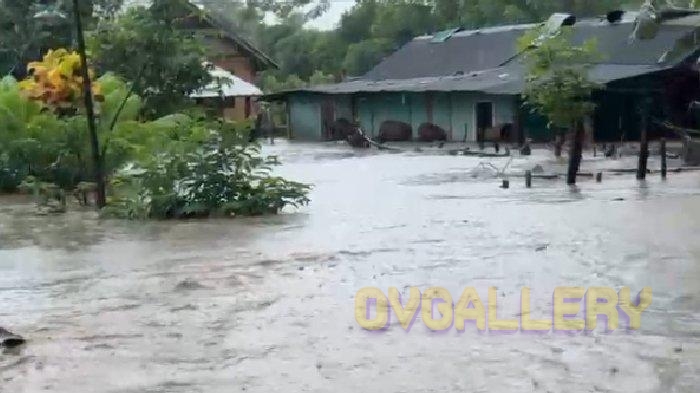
(90,111)
(575,152)
(643,147)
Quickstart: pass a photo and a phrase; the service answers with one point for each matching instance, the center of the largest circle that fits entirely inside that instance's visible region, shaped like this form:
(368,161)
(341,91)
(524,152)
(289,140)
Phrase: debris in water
(541,247)
(189,285)
(678,350)
(9,339)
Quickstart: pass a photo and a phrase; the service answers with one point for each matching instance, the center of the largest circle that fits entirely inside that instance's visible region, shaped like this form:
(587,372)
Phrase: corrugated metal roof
(508,80)
(452,65)
(463,52)
(473,50)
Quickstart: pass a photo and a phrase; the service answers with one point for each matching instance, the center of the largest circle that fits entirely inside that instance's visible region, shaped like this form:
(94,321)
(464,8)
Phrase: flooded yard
(267,304)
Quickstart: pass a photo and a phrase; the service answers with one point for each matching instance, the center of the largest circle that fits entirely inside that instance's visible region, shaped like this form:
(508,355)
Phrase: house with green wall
(468,80)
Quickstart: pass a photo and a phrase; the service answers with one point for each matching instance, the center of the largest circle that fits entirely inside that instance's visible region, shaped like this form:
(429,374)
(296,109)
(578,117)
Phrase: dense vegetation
(558,87)
(163,158)
(176,166)
(372,29)
(364,35)
(145,47)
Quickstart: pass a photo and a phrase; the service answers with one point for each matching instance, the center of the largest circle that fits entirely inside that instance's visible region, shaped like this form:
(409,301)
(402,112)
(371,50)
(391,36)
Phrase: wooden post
(528,179)
(575,152)
(643,143)
(663,158)
(90,111)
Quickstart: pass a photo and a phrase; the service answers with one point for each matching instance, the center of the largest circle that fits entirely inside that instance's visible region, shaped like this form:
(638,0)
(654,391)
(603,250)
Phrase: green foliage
(175,166)
(271,83)
(201,169)
(356,24)
(146,48)
(557,84)
(22,35)
(35,142)
(399,23)
(363,55)
(293,52)
(319,78)
(374,28)
(27,27)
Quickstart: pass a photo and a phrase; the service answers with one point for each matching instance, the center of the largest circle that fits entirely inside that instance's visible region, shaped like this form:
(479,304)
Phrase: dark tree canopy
(372,29)
(146,47)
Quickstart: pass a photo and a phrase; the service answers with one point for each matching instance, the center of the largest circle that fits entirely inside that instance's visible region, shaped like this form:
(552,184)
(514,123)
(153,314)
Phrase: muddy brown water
(267,304)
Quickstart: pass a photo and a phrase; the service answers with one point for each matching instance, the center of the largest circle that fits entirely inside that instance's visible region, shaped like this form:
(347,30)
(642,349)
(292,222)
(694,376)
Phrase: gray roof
(464,52)
(468,51)
(507,80)
(488,60)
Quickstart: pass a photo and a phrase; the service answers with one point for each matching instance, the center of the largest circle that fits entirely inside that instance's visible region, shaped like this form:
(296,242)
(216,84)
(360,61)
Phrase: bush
(174,167)
(35,142)
(201,169)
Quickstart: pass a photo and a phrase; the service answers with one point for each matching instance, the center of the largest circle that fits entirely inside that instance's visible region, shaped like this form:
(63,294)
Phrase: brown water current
(266,304)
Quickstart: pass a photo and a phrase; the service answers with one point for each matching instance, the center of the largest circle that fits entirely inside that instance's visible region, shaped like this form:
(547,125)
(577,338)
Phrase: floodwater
(267,304)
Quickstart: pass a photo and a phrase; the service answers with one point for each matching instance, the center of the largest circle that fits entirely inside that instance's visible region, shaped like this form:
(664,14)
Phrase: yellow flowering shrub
(57,81)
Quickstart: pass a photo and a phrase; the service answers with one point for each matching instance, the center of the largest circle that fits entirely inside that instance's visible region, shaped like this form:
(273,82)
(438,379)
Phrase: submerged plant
(202,169)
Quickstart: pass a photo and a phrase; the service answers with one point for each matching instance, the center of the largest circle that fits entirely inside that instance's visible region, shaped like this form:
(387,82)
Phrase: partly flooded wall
(304,117)
(453,111)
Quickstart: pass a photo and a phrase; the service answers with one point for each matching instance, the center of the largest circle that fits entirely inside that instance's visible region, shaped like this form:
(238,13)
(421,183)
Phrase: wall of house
(343,107)
(453,111)
(237,65)
(237,111)
(224,53)
(305,116)
(419,112)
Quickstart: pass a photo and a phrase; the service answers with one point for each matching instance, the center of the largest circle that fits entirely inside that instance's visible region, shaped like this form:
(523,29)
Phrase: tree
(29,27)
(557,84)
(294,53)
(146,47)
(319,78)
(56,81)
(399,23)
(364,55)
(356,25)
(21,35)
(107,8)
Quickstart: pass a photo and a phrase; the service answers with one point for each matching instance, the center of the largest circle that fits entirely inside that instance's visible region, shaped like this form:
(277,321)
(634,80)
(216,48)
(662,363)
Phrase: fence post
(663,158)
(528,179)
